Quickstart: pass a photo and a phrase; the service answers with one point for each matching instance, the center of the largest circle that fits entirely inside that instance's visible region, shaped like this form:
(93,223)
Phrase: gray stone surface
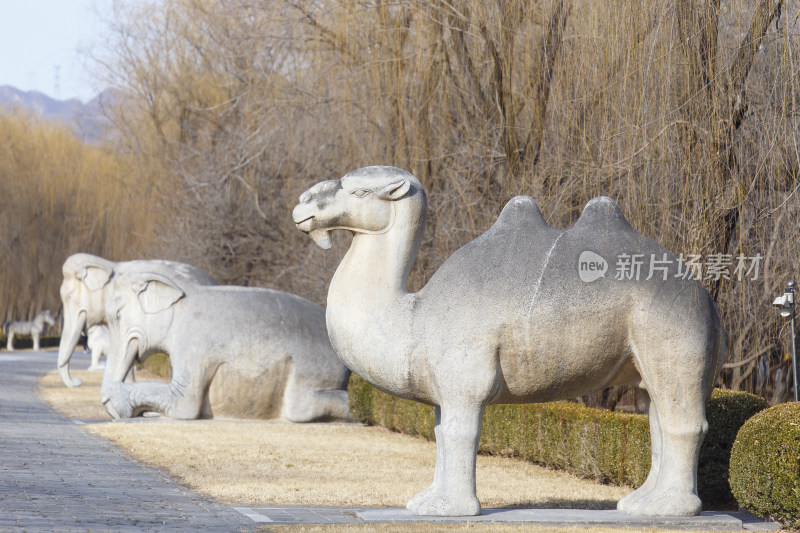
(514,317)
(242,352)
(56,477)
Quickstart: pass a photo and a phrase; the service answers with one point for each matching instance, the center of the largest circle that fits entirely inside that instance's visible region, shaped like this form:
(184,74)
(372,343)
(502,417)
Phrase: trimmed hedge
(765,464)
(606,446)
(726,412)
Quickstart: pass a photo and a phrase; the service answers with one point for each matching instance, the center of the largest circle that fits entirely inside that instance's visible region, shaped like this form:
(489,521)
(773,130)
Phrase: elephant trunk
(69,340)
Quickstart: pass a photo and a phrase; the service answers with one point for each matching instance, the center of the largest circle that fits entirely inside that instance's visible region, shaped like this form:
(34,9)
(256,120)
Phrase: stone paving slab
(296,514)
(707,521)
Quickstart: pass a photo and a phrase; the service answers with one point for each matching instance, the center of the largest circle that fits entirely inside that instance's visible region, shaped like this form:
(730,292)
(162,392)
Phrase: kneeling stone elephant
(235,351)
(84,292)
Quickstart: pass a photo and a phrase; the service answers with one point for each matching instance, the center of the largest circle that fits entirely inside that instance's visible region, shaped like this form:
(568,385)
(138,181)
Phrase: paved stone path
(56,477)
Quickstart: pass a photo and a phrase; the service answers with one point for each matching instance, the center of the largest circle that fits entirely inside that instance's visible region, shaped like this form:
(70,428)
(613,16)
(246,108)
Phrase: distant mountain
(86,120)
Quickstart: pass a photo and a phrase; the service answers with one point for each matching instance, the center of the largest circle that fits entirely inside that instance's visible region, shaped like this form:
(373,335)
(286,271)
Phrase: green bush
(765,464)
(606,446)
(726,411)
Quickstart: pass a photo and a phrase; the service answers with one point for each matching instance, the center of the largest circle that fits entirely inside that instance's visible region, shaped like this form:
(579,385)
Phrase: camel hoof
(665,503)
(627,502)
(418,498)
(439,504)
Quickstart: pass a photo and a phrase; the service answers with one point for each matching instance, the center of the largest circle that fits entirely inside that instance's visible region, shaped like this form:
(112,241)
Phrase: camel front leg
(414,502)
(35,336)
(457,436)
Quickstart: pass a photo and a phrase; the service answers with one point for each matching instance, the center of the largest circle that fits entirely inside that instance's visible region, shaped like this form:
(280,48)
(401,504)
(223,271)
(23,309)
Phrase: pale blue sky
(37,36)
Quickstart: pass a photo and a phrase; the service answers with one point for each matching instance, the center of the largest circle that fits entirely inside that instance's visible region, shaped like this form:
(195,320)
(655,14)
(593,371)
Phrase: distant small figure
(98,343)
(784,383)
(34,328)
(763,374)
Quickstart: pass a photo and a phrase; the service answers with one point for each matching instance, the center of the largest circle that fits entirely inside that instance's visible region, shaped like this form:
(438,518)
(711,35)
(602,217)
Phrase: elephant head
(83,293)
(139,314)
(87,287)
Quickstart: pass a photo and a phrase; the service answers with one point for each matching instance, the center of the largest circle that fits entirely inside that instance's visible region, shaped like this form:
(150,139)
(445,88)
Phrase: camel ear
(95,277)
(394,191)
(157,293)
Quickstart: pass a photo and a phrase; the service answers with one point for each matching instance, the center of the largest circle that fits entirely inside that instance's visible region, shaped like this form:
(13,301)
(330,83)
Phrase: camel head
(363,201)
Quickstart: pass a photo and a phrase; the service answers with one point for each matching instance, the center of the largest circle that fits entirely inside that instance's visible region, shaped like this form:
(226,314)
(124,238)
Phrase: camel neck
(376,266)
(369,309)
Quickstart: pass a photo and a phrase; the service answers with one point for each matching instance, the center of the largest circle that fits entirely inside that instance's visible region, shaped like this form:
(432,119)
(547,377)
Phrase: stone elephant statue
(83,294)
(235,351)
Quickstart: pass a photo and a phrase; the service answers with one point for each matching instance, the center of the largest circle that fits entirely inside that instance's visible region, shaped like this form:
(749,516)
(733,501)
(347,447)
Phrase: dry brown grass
(276,462)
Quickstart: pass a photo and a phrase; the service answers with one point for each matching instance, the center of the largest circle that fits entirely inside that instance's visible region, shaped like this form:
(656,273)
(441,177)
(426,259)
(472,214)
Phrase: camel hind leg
(656,447)
(677,367)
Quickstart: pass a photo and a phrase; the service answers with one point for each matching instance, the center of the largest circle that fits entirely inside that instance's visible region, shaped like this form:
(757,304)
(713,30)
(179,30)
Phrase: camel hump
(521,212)
(602,212)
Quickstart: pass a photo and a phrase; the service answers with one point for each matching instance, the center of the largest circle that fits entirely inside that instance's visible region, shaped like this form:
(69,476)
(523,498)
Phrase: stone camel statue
(33,328)
(509,319)
(83,295)
(242,352)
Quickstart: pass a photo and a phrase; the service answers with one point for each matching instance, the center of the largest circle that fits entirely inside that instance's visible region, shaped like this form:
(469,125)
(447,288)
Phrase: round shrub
(765,464)
(726,412)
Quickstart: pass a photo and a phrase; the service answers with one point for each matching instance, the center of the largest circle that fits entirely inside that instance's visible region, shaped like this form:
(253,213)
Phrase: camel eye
(360,193)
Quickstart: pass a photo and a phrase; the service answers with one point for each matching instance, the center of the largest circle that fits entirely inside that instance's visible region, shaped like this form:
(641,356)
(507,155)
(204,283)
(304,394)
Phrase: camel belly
(561,359)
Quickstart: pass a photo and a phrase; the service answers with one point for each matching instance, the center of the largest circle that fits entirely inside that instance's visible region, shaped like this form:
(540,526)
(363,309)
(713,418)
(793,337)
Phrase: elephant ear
(157,293)
(95,277)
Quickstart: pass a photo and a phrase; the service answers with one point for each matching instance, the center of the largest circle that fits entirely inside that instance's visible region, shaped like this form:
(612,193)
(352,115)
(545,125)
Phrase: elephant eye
(360,193)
